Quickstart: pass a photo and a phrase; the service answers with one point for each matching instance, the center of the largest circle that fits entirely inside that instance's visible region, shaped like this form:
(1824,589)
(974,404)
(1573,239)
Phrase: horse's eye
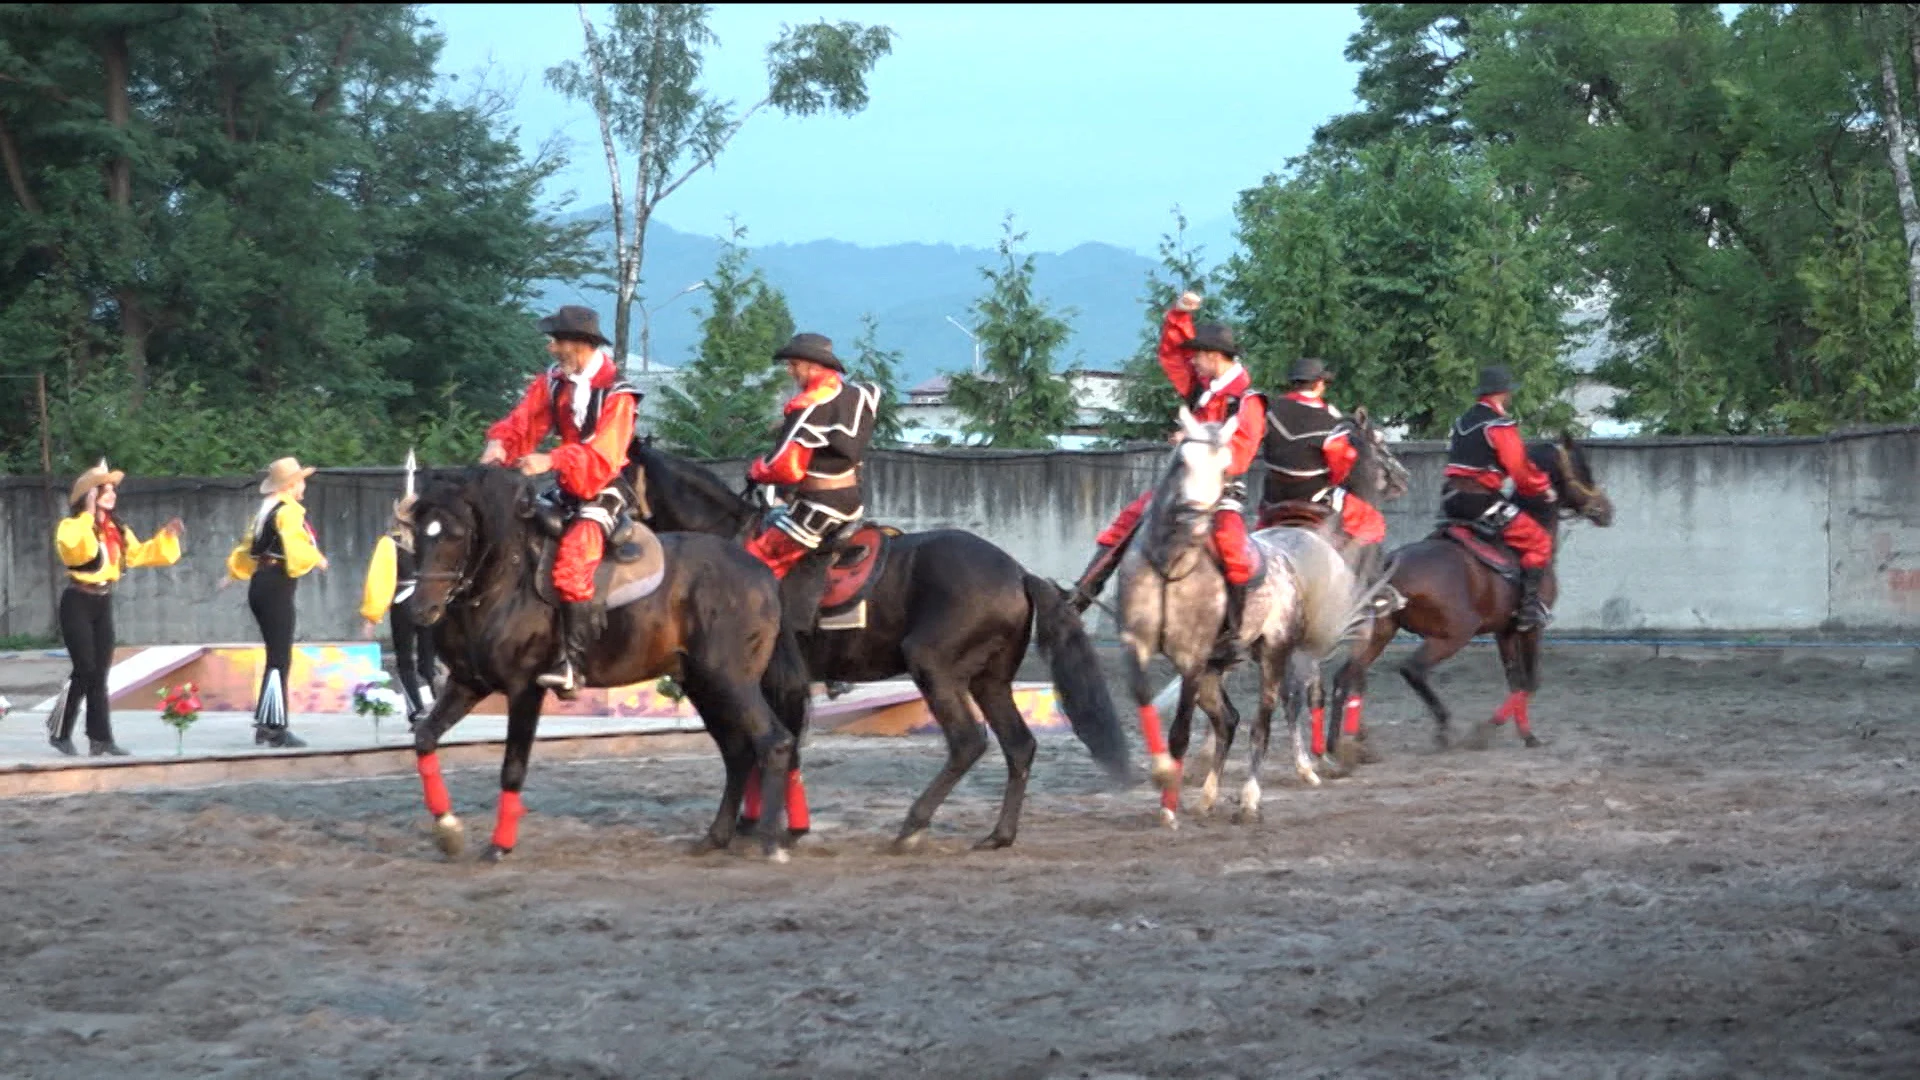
(433,528)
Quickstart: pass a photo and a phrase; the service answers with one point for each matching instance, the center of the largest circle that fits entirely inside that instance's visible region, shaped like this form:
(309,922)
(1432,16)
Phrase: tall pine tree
(1019,402)
(726,402)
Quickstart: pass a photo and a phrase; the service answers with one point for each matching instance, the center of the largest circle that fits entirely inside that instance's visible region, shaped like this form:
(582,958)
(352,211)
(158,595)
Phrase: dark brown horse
(950,610)
(1450,596)
(712,622)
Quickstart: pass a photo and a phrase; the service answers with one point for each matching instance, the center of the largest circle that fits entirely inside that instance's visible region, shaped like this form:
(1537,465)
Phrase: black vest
(1293,450)
(406,574)
(1468,446)
(596,401)
(837,430)
(266,541)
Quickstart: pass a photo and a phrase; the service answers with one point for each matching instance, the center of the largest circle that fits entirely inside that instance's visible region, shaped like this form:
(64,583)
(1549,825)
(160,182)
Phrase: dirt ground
(1707,871)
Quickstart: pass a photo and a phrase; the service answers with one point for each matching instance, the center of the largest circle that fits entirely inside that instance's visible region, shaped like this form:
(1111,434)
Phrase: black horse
(947,608)
(713,623)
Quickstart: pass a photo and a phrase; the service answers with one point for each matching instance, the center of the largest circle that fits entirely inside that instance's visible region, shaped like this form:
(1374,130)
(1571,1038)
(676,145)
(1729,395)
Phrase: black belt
(93,588)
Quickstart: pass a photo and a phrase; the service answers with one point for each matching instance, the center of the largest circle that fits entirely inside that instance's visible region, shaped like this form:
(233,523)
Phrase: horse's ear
(1566,439)
(1360,415)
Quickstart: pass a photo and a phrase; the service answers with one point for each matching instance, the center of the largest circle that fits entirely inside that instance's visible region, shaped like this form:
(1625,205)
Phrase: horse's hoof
(794,835)
(746,825)
(1480,737)
(709,844)
(1247,815)
(1331,768)
(1366,755)
(1309,774)
(1441,741)
(994,842)
(1348,754)
(1531,741)
(495,854)
(910,842)
(1168,818)
(450,835)
(1166,771)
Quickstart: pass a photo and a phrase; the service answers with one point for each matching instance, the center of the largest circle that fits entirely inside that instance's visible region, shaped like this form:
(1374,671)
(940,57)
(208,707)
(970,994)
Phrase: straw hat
(281,475)
(98,476)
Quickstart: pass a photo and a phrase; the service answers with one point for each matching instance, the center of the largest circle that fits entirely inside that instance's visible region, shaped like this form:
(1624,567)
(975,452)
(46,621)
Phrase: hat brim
(90,482)
(269,486)
(552,329)
(1196,345)
(827,361)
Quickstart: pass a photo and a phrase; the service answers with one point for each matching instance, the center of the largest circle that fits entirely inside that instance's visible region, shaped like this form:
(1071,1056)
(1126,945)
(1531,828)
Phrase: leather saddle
(862,554)
(632,567)
(1295,514)
(1482,540)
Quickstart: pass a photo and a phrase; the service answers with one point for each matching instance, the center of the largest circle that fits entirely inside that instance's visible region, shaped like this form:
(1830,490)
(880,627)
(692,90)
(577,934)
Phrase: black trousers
(413,648)
(86,625)
(270,596)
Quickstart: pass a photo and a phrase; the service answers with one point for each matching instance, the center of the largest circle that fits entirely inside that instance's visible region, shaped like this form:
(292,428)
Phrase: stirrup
(564,680)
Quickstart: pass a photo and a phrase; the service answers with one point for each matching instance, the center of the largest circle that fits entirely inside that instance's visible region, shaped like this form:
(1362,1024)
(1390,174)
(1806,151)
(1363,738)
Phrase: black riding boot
(577,635)
(1227,650)
(1094,577)
(1533,614)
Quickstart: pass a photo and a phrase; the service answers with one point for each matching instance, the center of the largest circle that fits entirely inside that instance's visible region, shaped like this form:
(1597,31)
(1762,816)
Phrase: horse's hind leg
(523,720)
(946,698)
(454,702)
(1272,666)
(994,695)
(1225,721)
(736,751)
(726,704)
(1348,739)
(1418,669)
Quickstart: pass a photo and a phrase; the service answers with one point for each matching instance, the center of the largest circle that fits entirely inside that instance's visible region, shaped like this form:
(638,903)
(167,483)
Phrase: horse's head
(1377,474)
(452,523)
(684,496)
(1573,481)
(1195,481)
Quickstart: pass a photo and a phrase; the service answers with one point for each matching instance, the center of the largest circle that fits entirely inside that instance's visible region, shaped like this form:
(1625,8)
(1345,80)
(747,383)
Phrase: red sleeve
(586,468)
(1512,452)
(1340,455)
(520,431)
(786,468)
(1174,360)
(1249,428)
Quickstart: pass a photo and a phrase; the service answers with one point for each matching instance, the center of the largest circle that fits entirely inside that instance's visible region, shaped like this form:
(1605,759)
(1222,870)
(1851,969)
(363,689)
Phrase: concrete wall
(1720,536)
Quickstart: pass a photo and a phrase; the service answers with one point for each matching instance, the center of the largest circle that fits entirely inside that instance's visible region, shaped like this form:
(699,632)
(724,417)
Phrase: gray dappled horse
(1173,599)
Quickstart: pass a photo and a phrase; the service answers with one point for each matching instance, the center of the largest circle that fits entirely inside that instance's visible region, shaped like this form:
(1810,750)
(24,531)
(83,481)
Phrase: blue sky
(1087,121)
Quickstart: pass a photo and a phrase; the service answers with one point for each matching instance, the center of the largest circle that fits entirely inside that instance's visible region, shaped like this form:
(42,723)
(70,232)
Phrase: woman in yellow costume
(278,550)
(96,549)
(391,577)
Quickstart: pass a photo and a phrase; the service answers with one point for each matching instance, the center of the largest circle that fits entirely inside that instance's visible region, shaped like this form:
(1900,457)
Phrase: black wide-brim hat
(817,348)
(1494,380)
(1308,369)
(574,321)
(1212,337)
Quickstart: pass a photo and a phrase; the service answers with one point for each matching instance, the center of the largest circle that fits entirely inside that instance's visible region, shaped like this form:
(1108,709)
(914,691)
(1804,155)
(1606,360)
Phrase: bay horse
(1448,595)
(948,609)
(712,622)
(1299,609)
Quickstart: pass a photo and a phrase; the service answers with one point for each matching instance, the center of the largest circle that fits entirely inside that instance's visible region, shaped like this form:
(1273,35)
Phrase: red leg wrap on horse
(506,823)
(1520,718)
(1319,730)
(1510,708)
(439,803)
(750,805)
(1350,719)
(1150,729)
(1170,795)
(797,815)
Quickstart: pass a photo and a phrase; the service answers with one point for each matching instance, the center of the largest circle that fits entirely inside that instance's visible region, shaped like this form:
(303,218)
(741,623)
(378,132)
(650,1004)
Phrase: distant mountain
(909,288)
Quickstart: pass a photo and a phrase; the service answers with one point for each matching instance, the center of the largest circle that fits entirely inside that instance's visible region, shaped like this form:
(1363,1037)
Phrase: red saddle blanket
(852,574)
(1497,556)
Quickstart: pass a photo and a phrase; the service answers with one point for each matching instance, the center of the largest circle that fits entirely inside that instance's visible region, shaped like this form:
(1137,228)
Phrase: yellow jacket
(382,574)
(296,539)
(78,541)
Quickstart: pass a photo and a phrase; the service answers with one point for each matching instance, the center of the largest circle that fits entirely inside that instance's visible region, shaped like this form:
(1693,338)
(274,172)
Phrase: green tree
(642,77)
(726,402)
(1019,402)
(879,368)
(1148,403)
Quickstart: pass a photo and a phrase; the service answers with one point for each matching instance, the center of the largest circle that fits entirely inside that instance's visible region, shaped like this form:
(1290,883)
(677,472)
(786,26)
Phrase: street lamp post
(970,337)
(646,324)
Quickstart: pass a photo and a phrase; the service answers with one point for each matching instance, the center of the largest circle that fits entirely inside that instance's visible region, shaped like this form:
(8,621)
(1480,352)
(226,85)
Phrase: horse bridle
(462,581)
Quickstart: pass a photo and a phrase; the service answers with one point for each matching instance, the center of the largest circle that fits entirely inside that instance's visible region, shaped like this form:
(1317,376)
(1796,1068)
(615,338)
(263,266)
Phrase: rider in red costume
(1309,454)
(1203,365)
(1484,451)
(583,399)
(823,440)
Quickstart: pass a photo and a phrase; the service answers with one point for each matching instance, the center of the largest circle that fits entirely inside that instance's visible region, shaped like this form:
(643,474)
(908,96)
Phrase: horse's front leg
(1225,720)
(455,701)
(1177,739)
(523,720)
(1164,770)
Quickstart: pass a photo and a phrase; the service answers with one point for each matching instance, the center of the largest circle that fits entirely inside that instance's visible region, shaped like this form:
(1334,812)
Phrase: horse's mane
(493,492)
(691,479)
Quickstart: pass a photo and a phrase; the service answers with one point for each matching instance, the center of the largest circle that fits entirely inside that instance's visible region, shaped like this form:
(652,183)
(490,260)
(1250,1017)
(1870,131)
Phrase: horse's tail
(1076,675)
(787,685)
(1326,587)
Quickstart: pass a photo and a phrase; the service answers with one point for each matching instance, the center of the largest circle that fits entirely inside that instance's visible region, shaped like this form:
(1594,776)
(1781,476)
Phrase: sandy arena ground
(1708,871)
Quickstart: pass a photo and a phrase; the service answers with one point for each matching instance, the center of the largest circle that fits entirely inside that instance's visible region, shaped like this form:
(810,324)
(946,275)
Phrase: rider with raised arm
(1484,451)
(1309,454)
(584,400)
(817,459)
(1204,366)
